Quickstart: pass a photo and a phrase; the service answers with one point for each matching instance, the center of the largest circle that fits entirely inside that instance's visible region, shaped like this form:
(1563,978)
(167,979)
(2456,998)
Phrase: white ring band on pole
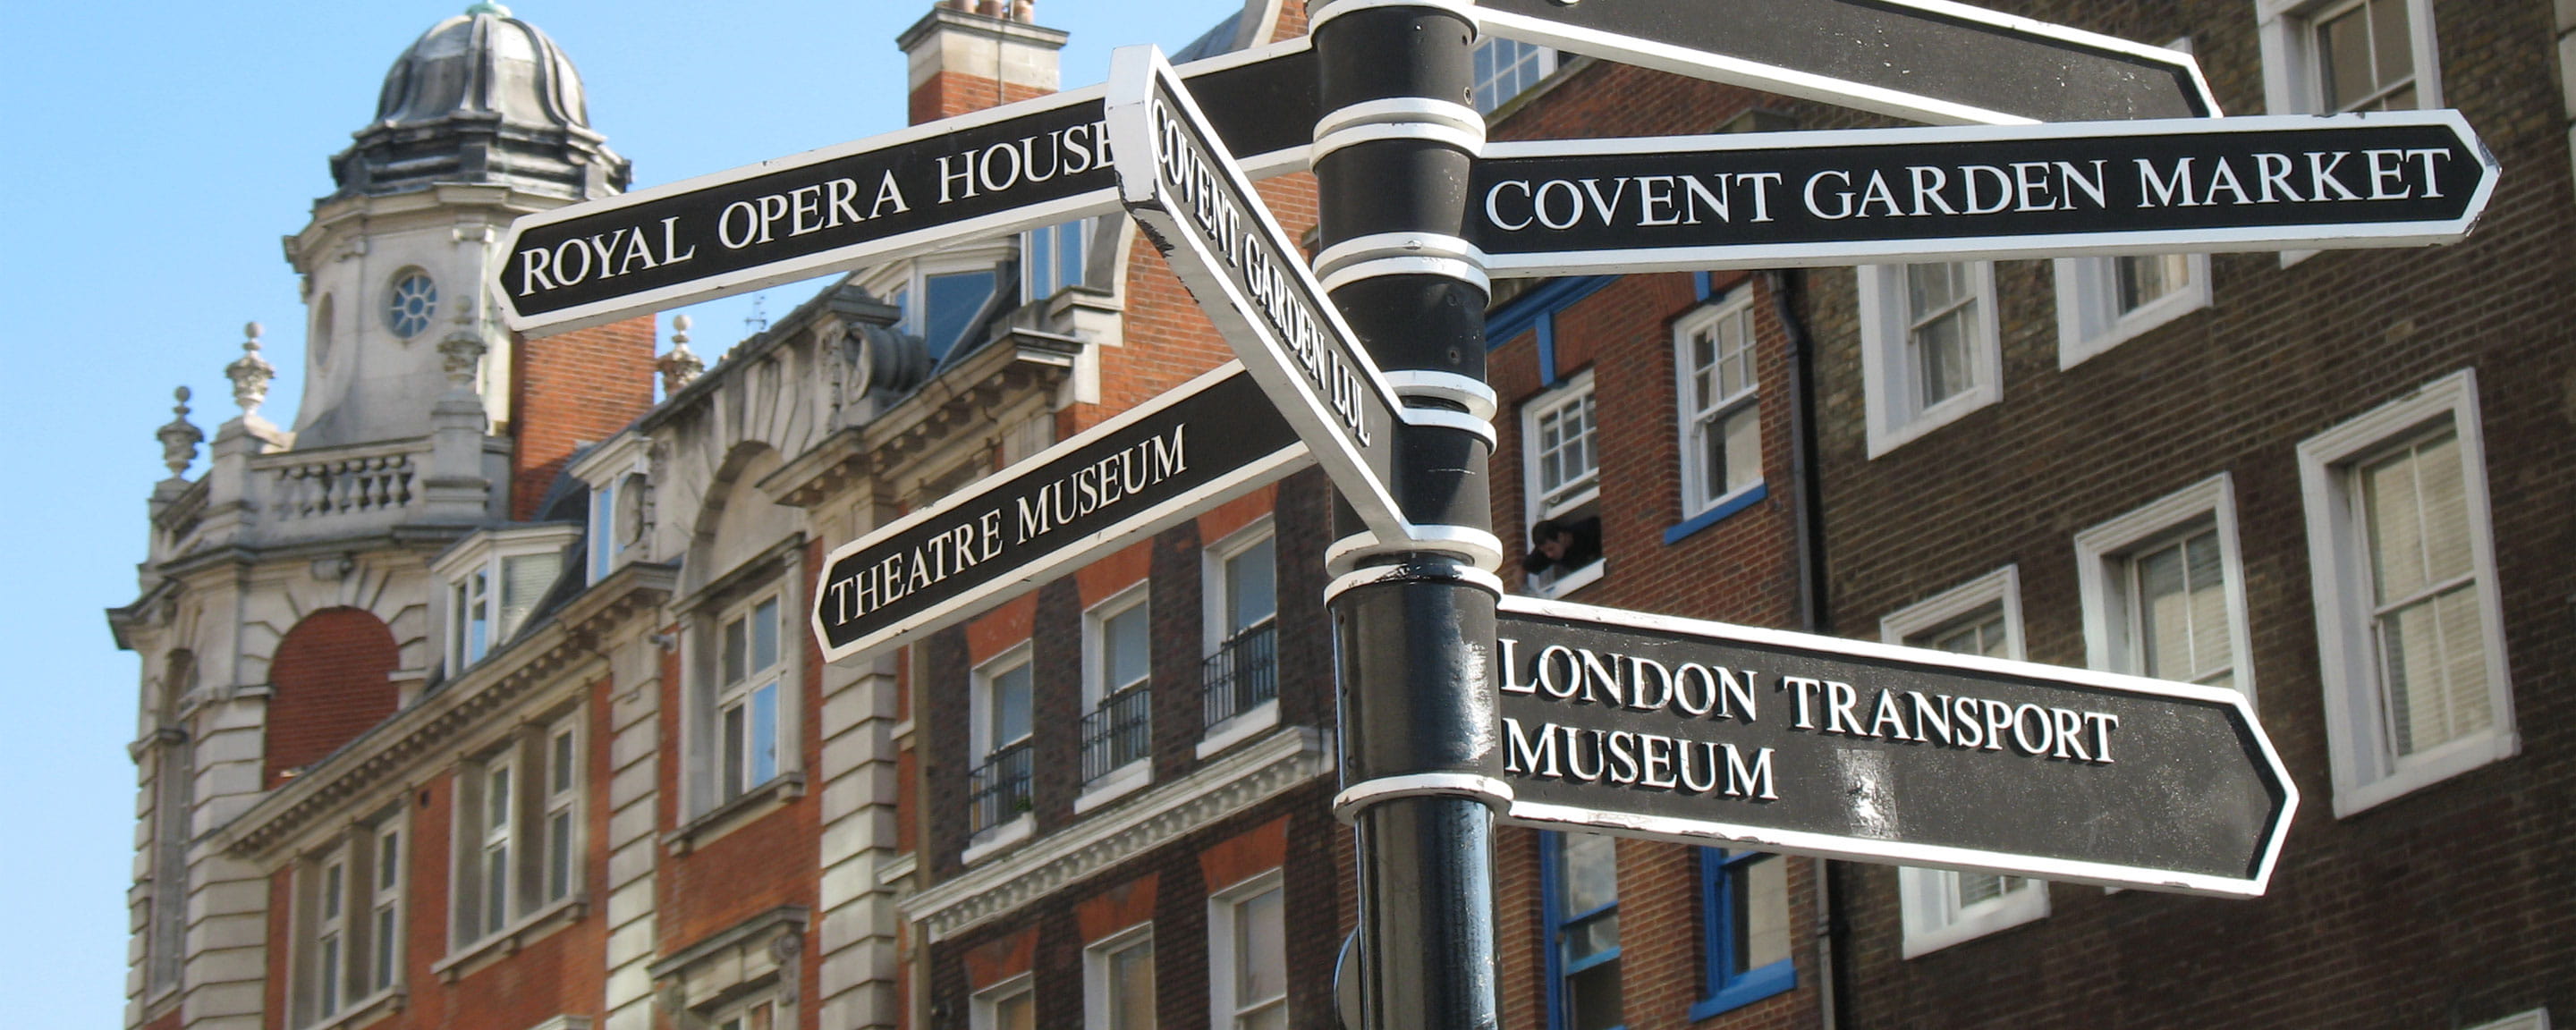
(1469,272)
(1404,111)
(1414,573)
(1332,9)
(1469,142)
(1466,391)
(1483,549)
(1444,418)
(1495,793)
(1394,244)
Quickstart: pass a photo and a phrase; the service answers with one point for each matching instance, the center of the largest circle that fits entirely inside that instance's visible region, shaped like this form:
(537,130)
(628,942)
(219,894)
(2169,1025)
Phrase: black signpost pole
(1420,762)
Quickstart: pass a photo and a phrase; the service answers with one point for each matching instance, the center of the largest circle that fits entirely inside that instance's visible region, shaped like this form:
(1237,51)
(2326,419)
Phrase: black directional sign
(1696,731)
(1181,184)
(1136,474)
(1028,164)
(1851,197)
(1928,60)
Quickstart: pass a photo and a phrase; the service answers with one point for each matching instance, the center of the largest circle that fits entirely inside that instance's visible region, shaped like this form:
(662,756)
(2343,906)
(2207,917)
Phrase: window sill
(1568,583)
(1747,989)
(1114,784)
(1244,726)
(2452,759)
(2030,905)
(531,928)
(737,813)
(994,839)
(365,1011)
(1740,500)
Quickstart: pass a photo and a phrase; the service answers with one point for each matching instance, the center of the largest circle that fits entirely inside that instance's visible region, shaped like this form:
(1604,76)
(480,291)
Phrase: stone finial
(463,353)
(251,373)
(680,367)
(179,439)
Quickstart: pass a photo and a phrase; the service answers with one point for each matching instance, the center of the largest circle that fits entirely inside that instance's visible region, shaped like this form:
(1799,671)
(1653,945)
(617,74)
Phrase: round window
(413,300)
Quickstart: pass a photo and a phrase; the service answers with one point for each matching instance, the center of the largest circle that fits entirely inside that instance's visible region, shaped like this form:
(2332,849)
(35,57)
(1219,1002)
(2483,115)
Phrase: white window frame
(980,744)
(331,937)
(534,797)
(1138,772)
(1575,389)
(1097,970)
(1030,242)
(488,555)
(384,909)
(1224,1009)
(2365,772)
(2089,321)
(1546,60)
(980,1006)
(1696,421)
(1217,623)
(344,967)
(2102,556)
(1934,918)
(559,829)
(740,1009)
(1895,414)
(496,833)
(619,474)
(727,693)
(2292,79)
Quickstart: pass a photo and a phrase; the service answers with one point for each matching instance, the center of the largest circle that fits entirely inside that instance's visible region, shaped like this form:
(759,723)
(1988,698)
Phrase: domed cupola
(481,98)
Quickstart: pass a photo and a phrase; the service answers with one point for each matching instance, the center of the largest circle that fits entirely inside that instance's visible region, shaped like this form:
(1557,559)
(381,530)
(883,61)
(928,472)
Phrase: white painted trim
(1114,784)
(1465,271)
(997,837)
(1737,302)
(1393,244)
(1347,804)
(1437,119)
(2365,774)
(2099,547)
(1933,918)
(1887,374)
(1096,983)
(1222,906)
(1470,393)
(1246,724)
(2088,287)
(980,1004)
(1230,784)
(1375,574)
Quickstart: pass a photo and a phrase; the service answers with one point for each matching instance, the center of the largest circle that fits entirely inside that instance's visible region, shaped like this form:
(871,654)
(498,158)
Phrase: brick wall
(329,682)
(574,388)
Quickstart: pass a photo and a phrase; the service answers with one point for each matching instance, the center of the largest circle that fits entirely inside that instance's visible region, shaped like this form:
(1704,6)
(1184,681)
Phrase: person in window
(1563,545)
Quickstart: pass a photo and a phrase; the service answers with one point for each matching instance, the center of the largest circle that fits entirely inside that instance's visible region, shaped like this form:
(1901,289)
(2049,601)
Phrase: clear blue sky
(157,151)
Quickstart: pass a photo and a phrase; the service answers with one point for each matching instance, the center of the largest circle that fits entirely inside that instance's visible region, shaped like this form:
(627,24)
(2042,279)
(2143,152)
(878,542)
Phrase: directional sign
(1014,167)
(1178,179)
(1771,200)
(1927,60)
(1699,732)
(1139,473)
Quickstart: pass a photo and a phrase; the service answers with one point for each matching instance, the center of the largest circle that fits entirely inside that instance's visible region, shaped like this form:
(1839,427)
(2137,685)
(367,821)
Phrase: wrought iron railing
(1118,732)
(998,790)
(1242,674)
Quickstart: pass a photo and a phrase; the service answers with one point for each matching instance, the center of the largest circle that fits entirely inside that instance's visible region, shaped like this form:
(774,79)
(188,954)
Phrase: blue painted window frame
(1725,989)
(1551,875)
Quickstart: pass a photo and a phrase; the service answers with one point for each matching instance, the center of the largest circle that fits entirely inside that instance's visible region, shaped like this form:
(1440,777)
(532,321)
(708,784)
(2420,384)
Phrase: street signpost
(1137,474)
(1177,178)
(1771,200)
(1695,731)
(1926,60)
(1019,166)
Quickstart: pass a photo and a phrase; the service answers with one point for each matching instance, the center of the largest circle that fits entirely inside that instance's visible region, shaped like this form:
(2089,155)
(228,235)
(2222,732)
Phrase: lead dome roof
(485,98)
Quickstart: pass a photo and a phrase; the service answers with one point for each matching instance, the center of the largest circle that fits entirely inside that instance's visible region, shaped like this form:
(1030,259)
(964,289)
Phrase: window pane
(737,648)
(559,856)
(735,727)
(496,801)
(2391,37)
(1941,348)
(1980,634)
(1017,1012)
(1131,987)
(524,580)
(1127,646)
(2434,659)
(1010,706)
(327,973)
(1762,907)
(1589,876)
(388,860)
(764,733)
(1978,887)
(2343,44)
(764,634)
(1251,585)
(1592,997)
(559,767)
(1740,460)
(383,962)
(954,301)
(1260,949)
(496,887)
(478,618)
(333,890)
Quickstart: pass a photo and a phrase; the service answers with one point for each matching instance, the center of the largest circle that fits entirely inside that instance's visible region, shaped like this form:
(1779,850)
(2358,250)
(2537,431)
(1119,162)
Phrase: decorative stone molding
(180,438)
(1256,773)
(250,373)
(681,366)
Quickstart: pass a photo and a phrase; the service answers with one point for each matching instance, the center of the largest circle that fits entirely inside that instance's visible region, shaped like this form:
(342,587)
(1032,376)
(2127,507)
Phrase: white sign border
(2331,236)
(1693,831)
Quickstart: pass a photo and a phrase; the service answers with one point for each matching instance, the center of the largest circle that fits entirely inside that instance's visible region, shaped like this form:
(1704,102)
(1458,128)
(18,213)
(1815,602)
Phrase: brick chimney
(968,55)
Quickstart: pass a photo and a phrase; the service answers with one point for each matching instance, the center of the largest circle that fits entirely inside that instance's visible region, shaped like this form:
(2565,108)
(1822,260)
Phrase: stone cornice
(1232,784)
(396,749)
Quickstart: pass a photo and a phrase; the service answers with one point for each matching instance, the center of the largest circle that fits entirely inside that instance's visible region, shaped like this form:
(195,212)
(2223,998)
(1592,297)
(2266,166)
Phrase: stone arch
(736,522)
(329,682)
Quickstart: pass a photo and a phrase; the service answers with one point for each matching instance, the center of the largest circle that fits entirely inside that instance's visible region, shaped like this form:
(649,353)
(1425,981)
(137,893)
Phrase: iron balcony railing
(1118,732)
(998,790)
(1242,675)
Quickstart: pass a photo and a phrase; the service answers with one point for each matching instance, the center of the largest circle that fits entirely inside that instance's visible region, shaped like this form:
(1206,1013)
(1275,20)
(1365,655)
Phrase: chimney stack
(968,55)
